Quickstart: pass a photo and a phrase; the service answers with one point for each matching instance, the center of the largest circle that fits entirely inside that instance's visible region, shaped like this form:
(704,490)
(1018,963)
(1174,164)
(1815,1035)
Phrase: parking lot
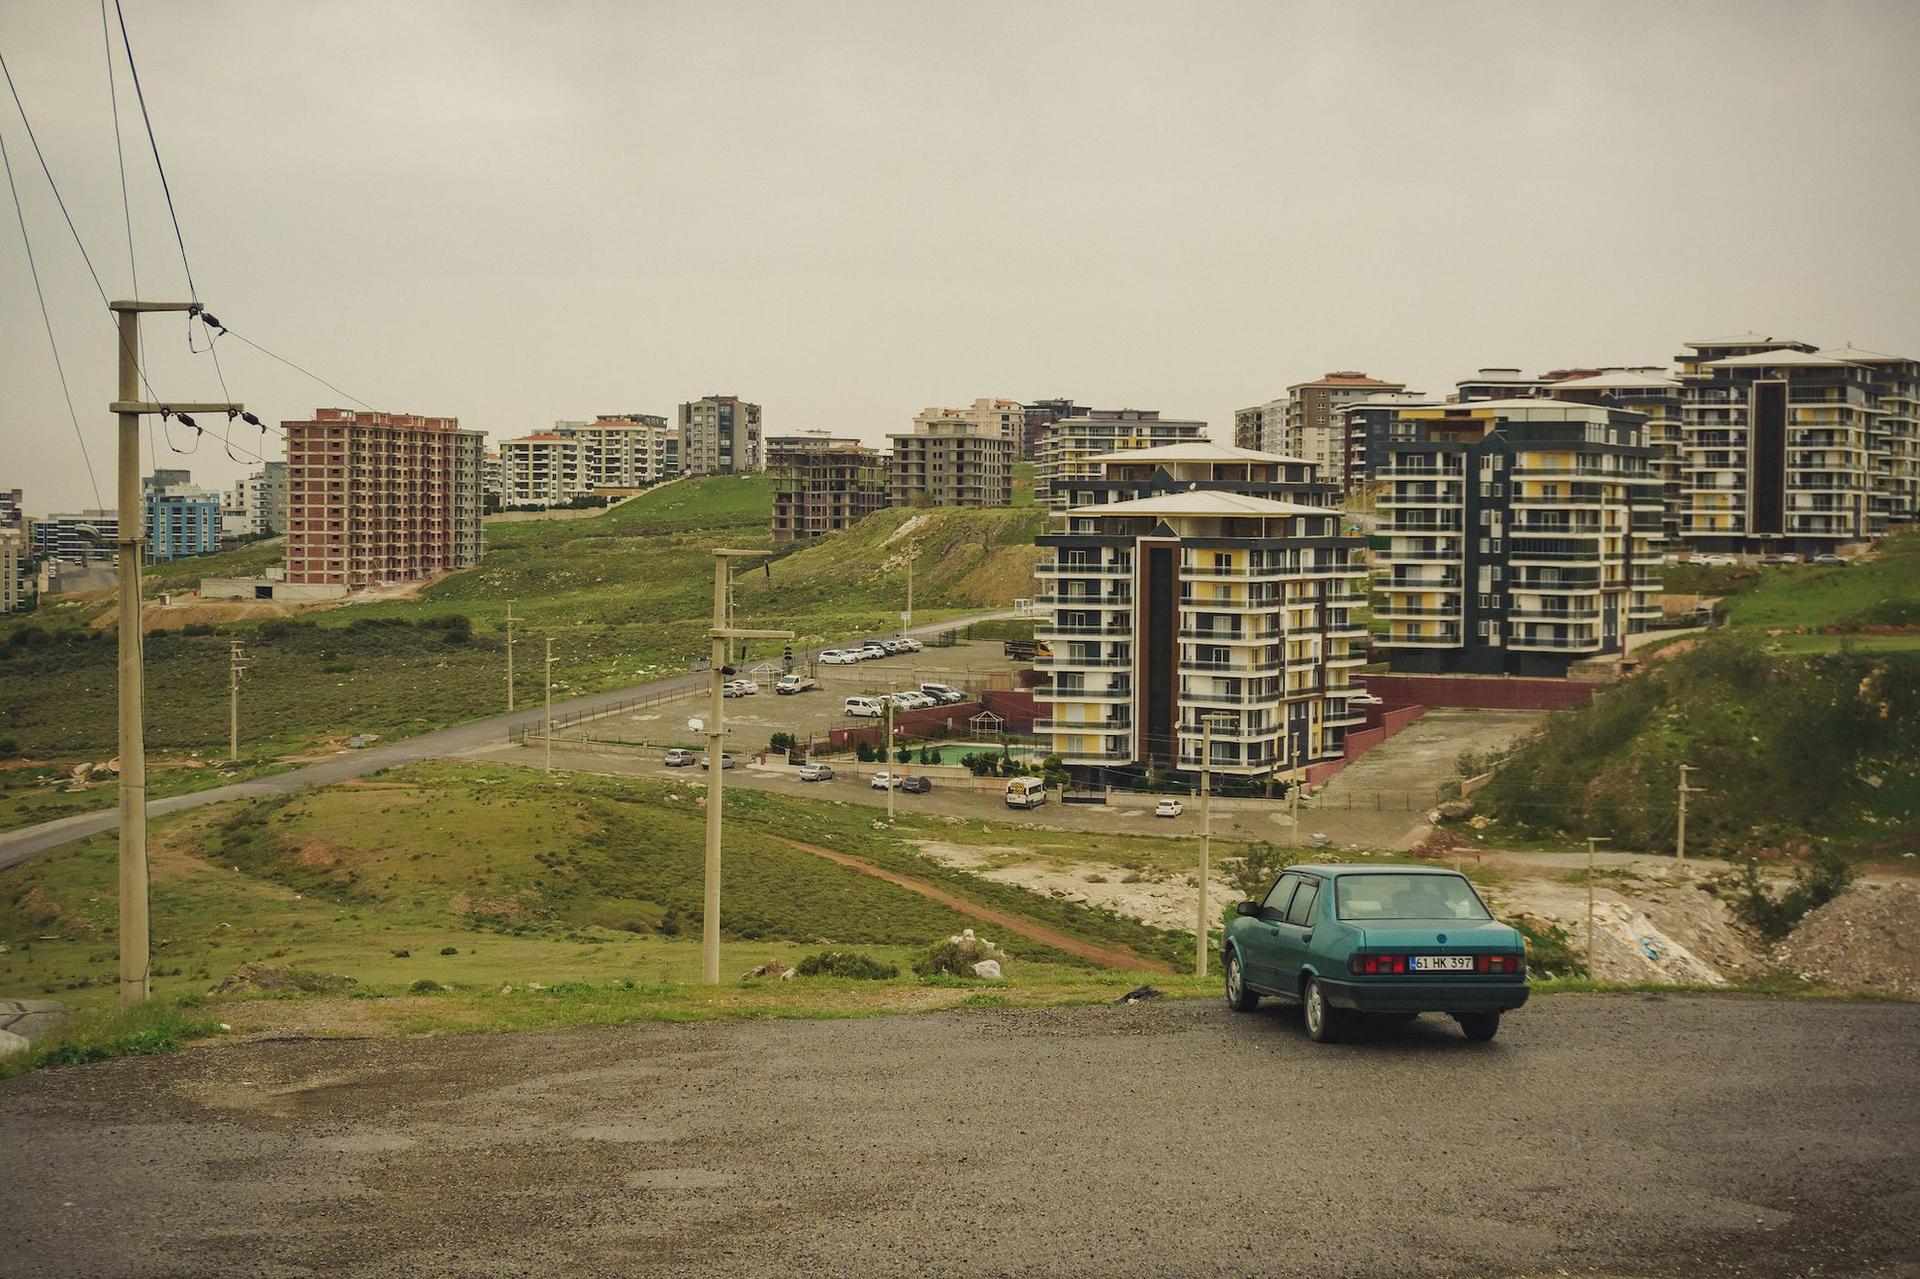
(751,721)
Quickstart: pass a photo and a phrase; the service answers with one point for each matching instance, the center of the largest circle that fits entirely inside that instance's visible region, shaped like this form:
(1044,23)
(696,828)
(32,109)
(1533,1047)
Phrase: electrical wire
(140,95)
(296,368)
(47,319)
(58,199)
(119,152)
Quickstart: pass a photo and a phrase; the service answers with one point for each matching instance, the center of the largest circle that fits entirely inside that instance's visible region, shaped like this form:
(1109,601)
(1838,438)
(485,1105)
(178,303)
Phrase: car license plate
(1443,963)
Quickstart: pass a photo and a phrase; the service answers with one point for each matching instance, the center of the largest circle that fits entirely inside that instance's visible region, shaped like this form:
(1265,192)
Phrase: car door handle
(1305,938)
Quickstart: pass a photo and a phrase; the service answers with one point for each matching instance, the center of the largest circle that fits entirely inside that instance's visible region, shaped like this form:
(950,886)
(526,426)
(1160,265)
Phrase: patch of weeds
(1815,883)
(846,963)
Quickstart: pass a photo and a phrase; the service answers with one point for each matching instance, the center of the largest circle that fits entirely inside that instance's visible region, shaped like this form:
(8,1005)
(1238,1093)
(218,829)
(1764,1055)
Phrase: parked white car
(908,644)
(865,707)
(912,701)
(740,688)
(816,772)
(1363,699)
(883,781)
(945,694)
(1168,807)
(838,657)
(870,651)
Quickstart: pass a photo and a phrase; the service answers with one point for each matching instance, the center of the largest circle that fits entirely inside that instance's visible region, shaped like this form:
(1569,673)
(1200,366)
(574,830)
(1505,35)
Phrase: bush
(1253,872)
(904,755)
(782,743)
(956,956)
(863,752)
(1054,769)
(1815,883)
(846,963)
(449,950)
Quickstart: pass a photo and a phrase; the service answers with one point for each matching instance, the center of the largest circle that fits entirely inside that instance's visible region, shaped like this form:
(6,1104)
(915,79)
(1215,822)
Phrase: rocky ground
(1868,938)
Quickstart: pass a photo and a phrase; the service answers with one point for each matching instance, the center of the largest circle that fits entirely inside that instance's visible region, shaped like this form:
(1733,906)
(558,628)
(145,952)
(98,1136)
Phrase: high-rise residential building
(1368,424)
(1194,582)
(547,468)
(822,484)
(1656,393)
(1072,443)
(374,498)
(720,435)
(13,570)
(1787,447)
(493,481)
(182,518)
(1501,384)
(959,457)
(256,504)
(1040,415)
(1316,432)
(1893,436)
(1523,536)
(12,511)
(79,537)
(1262,427)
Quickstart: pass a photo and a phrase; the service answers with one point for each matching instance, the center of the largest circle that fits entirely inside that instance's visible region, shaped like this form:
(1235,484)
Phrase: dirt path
(1107,956)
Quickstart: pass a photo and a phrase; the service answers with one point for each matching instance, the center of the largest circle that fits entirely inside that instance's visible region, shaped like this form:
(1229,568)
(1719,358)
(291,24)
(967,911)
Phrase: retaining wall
(1485,692)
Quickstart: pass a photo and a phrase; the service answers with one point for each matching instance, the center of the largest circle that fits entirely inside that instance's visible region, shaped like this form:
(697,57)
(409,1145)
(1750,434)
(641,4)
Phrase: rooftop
(1744,339)
(1855,355)
(1347,377)
(1192,451)
(1203,502)
(1778,358)
(1618,379)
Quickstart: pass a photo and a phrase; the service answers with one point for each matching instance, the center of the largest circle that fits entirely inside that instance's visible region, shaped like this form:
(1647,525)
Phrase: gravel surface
(1614,1136)
(1867,938)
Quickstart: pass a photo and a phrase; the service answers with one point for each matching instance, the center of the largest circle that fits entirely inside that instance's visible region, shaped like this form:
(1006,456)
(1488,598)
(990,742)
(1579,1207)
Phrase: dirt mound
(1868,938)
(250,979)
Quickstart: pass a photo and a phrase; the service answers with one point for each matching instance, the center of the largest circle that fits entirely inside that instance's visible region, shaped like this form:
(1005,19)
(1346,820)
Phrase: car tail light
(1498,964)
(1376,965)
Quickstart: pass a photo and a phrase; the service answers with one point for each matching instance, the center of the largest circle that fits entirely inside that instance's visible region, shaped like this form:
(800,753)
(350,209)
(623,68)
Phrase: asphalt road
(1599,1135)
(29,841)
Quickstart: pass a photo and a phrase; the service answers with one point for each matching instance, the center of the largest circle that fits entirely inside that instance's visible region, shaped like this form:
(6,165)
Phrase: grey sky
(519,212)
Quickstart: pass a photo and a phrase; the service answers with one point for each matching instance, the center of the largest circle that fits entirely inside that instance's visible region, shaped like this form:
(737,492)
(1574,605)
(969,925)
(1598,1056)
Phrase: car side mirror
(1247,908)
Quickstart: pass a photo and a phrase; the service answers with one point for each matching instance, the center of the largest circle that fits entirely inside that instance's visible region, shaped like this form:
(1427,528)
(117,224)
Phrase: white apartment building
(623,454)
(1199,583)
(546,468)
(959,457)
(1316,423)
(1068,453)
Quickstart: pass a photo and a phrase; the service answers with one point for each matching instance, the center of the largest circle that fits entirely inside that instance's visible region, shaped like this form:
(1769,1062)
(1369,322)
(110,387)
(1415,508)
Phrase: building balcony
(1442,611)
(1122,599)
(1563,616)
(1443,638)
(1070,568)
(1556,643)
(1049,630)
(1119,724)
(1122,693)
(1061,661)
(1247,669)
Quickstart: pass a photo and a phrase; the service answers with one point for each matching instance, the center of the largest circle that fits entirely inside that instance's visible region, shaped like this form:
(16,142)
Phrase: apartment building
(1654,392)
(77,537)
(1072,444)
(720,435)
(14,553)
(1316,431)
(1040,415)
(1783,445)
(822,484)
(257,504)
(182,518)
(1368,424)
(1523,536)
(374,498)
(1502,384)
(1261,427)
(1197,582)
(959,457)
(546,468)
(493,481)
(1893,436)
(13,513)
(626,452)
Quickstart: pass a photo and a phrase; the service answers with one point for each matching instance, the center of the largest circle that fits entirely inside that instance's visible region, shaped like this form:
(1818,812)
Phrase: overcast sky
(519,212)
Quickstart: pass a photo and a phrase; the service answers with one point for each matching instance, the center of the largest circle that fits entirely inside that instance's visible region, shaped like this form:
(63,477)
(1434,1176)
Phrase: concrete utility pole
(1680,838)
(236,663)
(1201,922)
(1592,840)
(721,638)
(135,955)
(549,735)
(510,643)
(886,756)
(906,618)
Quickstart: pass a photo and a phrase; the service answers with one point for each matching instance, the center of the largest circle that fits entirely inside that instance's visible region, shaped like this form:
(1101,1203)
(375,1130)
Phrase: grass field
(474,876)
(1881,590)
(625,596)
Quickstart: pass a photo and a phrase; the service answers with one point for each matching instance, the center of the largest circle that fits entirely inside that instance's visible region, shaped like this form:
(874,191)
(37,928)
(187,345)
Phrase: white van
(865,707)
(1026,792)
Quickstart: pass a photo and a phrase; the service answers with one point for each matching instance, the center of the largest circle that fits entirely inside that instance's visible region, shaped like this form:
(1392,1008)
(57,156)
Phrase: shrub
(904,755)
(1054,769)
(846,963)
(782,743)
(1253,871)
(401,954)
(863,752)
(1815,883)
(955,957)
(449,950)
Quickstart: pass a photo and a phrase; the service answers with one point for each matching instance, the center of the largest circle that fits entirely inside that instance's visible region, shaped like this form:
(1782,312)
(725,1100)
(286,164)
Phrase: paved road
(1608,1136)
(18,845)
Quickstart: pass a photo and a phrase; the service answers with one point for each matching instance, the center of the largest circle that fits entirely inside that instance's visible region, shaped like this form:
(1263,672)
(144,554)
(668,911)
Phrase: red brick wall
(1503,692)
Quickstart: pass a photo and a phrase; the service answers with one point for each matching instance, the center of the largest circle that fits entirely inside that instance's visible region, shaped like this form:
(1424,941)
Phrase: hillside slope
(1788,748)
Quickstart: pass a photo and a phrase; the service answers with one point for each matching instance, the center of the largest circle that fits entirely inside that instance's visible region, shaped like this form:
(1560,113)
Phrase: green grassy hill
(475,875)
(1790,748)
(625,595)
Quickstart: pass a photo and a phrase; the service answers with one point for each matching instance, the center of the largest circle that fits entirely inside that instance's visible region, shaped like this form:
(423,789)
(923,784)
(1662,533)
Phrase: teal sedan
(1391,940)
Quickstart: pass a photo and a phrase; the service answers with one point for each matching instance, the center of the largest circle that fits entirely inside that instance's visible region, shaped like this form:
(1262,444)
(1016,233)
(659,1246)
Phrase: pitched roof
(1617,379)
(1346,378)
(1192,451)
(1746,339)
(1858,356)
(1203,502)
(1776,358)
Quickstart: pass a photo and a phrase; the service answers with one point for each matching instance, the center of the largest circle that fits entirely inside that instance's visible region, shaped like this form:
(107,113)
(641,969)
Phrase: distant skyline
(514,214)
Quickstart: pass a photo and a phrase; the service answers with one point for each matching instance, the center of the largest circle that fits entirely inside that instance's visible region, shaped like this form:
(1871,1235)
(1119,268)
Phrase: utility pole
(720,647)
(236,663)
(1202,925)
(135,954)
(1592,840)
(1680,839)
(886,757)
(510,643)
(906,618)
(549,734)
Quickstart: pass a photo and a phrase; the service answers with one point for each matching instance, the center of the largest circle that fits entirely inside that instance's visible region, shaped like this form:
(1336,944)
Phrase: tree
(1252,871)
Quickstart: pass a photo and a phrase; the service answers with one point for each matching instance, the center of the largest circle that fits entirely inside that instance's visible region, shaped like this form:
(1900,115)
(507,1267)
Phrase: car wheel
(1323,1020)
(1479,1027)
(1239,997)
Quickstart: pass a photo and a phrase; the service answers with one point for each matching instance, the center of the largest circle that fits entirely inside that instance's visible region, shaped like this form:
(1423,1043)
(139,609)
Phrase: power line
(47,319)
(295,367)
(119,152)
(140,94)
(54,186)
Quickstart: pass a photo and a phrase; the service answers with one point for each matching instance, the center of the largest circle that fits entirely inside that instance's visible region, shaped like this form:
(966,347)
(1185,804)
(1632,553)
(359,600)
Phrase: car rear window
(1365,897)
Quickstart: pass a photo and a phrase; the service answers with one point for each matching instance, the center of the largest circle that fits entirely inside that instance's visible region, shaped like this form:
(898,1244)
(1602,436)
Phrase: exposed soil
(1868,938)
